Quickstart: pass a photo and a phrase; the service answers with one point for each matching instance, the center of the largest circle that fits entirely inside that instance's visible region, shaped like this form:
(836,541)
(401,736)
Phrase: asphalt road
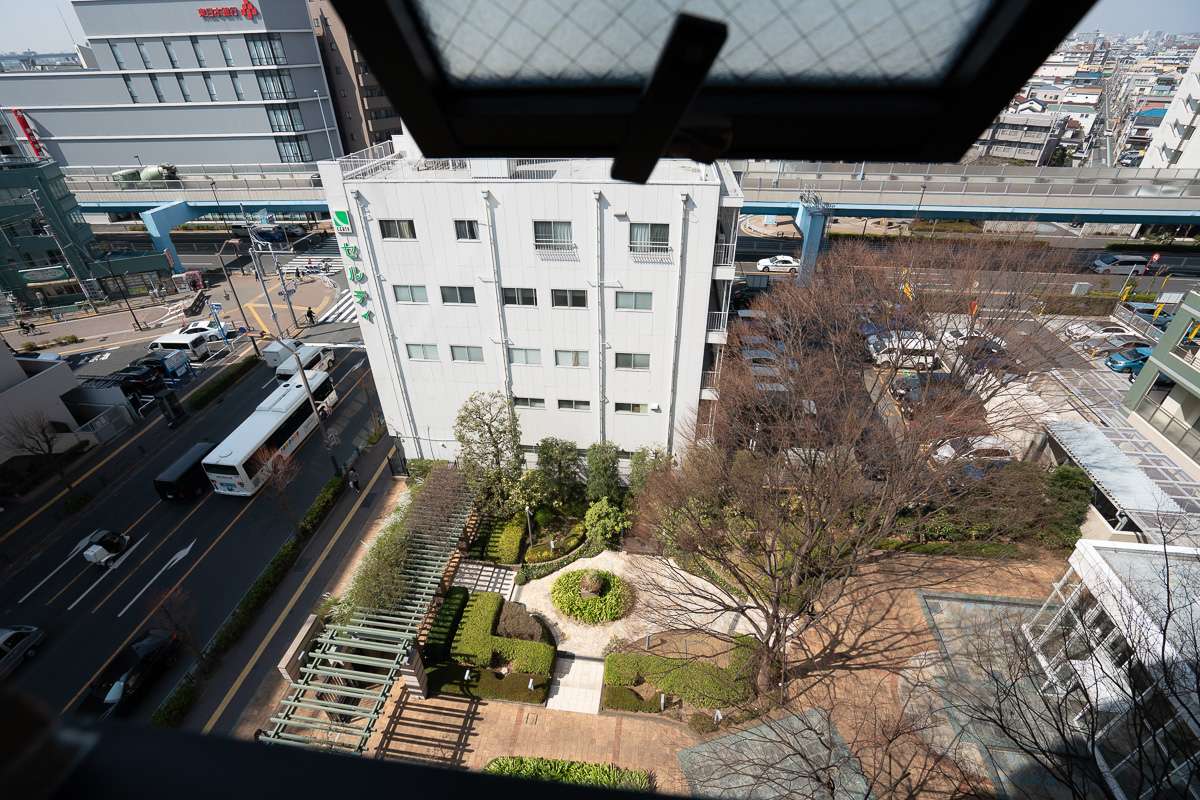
(212,549)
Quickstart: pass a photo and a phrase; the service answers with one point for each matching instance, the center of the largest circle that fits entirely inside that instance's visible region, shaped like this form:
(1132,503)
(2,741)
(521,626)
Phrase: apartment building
(1029,137)
(364,114)
(1171,143)
(596,305)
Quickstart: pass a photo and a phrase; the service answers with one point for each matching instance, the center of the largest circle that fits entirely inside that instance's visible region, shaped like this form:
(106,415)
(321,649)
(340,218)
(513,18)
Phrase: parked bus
(281,422)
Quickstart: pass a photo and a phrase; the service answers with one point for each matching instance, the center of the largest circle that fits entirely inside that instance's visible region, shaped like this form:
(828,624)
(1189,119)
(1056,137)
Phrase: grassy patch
(572,772)
(613,601)
(445,623)
(175,708)
(700,683)
(488,684)
(501,542)
(622,698)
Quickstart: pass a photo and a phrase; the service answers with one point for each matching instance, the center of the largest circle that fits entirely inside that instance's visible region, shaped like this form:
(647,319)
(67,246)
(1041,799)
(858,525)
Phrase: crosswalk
(344,309)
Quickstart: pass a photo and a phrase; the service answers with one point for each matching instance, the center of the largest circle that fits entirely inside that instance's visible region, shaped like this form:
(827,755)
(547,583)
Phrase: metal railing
(724,254)
(1139,325)
(365,163)
(553,245)
(718,320)
(709,378)
(1177,431)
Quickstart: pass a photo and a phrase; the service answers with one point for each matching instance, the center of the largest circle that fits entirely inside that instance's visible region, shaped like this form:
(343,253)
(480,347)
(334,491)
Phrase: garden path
(481,576)
(578,684)
(591,640)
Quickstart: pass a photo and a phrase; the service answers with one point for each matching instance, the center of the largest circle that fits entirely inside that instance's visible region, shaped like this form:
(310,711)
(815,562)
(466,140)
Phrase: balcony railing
(1177,431)
(553,244)
(709,378)
(650,252)
(724,254)
(718,320)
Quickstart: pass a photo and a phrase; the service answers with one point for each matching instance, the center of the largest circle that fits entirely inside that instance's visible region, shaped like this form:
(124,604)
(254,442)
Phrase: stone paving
(578,684)
(480,576)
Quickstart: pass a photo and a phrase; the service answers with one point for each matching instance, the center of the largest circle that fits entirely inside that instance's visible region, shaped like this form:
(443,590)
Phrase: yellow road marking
(253,660)
(85,569)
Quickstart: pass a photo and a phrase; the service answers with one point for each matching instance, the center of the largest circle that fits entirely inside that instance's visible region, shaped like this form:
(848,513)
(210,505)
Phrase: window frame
(397,225)
(473,230)
(158,92)
(518,296)
(636,297)
(396,287)
(571,296)
(171,56)
(294,145)
(458,293)
(528,402)
(574,405)
(525,351)
(631,408)
(197,51)
(266,49)
(115,49)
(650,245)
(424,352)
(470,351)
(183,90)
(553,242)
(211,87)
(574,356)
(632,358)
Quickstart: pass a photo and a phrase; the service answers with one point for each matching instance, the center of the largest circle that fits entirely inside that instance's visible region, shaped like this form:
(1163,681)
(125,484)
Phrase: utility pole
(33,193)
(266,292)
(121,286)
(284,290)
(238,300)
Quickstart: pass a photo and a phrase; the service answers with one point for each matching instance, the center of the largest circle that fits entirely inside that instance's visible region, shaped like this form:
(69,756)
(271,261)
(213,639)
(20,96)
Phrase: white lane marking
(76,550)
(175,559)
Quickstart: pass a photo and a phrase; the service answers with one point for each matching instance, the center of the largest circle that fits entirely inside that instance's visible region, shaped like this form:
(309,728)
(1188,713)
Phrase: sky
(37,25)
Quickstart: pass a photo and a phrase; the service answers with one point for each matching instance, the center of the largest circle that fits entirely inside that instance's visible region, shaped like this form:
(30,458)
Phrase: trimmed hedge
(322,505)
(700,683)
(473,643)
(622,698)
(488,684)
(542,552)
(579,773)
(205,395)
(445,623)
(505,548)
(254,599)
(536,658)
(613,603)
(419,468)
(531,572)
(175,708)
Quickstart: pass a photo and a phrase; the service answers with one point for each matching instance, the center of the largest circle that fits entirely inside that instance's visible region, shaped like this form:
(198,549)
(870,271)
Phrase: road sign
(1154,257)
(215,306)
(241,331)
(289,292)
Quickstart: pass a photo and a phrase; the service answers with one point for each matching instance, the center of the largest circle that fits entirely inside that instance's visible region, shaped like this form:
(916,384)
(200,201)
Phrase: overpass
(810,192)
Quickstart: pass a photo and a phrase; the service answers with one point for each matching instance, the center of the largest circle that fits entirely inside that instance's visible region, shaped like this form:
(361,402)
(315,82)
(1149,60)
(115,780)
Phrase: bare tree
(33,433)
(807,463)
(281,472)
(175,608)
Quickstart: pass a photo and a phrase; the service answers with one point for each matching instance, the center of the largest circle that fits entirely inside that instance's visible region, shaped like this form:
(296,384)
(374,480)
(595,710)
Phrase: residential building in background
(1031,137)
(364,114)
(1172,143)
(598,306)
(166,82)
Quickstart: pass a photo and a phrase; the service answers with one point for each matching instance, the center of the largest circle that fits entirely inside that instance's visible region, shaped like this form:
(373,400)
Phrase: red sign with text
(247,10)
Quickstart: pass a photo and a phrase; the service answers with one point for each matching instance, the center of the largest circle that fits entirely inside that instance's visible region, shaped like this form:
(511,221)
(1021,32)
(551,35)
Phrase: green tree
(604,523)
(558,461)
(489,438)
(602,477)
(1061,157)
(533,490)
(644,462)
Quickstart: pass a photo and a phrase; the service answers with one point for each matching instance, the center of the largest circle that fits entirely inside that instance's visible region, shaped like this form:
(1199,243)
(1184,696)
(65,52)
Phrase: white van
(194,344)
(313,357)
(1119,265)
(907,349)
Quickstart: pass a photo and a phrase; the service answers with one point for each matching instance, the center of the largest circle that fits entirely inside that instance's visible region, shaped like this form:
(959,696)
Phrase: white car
(991,448)
(955,338)
(779,264)
(1093,329)
(18,643)
(210,329)
(104,546)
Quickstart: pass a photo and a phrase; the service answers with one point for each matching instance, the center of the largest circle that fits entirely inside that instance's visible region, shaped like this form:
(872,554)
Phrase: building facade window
(58,188)
(529,402)
(276,85)
(648,237)
(458,295)
(635,301)
(158,92)
(171,54)
(632,408)
(183,90)
(285,118)
(237,86)
(133,95)
(568,298)
(226,52)
(199,53)
(570,358)
(522,355)
(333,45)
(465,353)
(519,297)
(293,148)
(422,352)
(337,70)
(552,236)
(575,405)
(397,229)
(212,87)
(410,294)
(466,230)
(76,218)
(116,51)
(633,361)
(266,49)
(145,54)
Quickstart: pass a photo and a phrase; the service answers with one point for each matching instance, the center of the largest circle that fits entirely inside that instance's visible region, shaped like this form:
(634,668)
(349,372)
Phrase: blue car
(1127,360)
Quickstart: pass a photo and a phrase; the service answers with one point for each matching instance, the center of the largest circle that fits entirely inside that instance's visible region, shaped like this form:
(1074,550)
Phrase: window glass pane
(116,51)
(466,229)
(643,300)
(237,86)
(449,294)
(558,297)
(625,300)
(426,351)
(145,54)
(578,298)
(212,89)
(510,296)
(158,92)
(133,96)
(419,295)
(183,89)
(528,297)
(466,294)
(475,353)
(533,356)
(408,230)
(225,51)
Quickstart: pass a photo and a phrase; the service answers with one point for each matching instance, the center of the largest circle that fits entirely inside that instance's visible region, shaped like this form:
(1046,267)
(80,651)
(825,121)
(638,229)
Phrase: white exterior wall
(600,212)
(1168,148)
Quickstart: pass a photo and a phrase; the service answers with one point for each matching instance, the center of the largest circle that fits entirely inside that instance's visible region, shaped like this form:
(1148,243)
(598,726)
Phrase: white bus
(281,422)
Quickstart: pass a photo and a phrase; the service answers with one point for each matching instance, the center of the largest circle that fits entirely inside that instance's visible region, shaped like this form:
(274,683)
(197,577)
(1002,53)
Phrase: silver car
(17,643)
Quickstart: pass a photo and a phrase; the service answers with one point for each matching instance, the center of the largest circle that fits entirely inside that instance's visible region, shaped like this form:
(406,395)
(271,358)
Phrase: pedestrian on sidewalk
(310,316)
(352,479)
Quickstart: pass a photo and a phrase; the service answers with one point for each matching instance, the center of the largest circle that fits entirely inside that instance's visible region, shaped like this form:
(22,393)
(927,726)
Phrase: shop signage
(43,274)
(341,221)
(247,10)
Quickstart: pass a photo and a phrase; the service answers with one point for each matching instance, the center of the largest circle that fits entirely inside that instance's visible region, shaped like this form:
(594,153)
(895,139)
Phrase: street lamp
(920,200)
(529,524)
(121,286)
(139,159)
(312,401)
(324,124)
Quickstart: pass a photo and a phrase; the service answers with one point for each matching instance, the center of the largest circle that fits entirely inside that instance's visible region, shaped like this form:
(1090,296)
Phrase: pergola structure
(352,666)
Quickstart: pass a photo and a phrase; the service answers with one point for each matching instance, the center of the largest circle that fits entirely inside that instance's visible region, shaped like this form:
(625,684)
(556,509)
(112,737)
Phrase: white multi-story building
(596,305)
(1173,144)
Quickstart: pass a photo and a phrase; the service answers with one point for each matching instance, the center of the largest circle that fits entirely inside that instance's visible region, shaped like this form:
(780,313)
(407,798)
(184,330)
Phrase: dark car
(1161,380)
(126,675)
(155,363)
(905,384)
(140,379)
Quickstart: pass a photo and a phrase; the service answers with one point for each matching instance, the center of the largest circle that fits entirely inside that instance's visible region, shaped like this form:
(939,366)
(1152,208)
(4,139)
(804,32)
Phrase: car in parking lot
(128,673)
(906,384)
(1092,329)
(209,327)
(1145,312)
(977,448)
(956,338)
(1126,360)
(779,264)
(1102,346)
(139,379)
(18,643)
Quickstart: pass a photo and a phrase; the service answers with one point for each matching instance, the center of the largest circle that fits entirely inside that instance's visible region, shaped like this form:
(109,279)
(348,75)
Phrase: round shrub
(613,603)
(544,517)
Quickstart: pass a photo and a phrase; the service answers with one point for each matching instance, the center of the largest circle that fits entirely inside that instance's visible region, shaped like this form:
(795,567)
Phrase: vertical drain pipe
(683,231)
(491,226)
(600,306)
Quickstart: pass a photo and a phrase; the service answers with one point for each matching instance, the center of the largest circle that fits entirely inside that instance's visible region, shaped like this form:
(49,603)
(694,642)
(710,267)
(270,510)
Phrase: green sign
(43,274)
(341,222)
